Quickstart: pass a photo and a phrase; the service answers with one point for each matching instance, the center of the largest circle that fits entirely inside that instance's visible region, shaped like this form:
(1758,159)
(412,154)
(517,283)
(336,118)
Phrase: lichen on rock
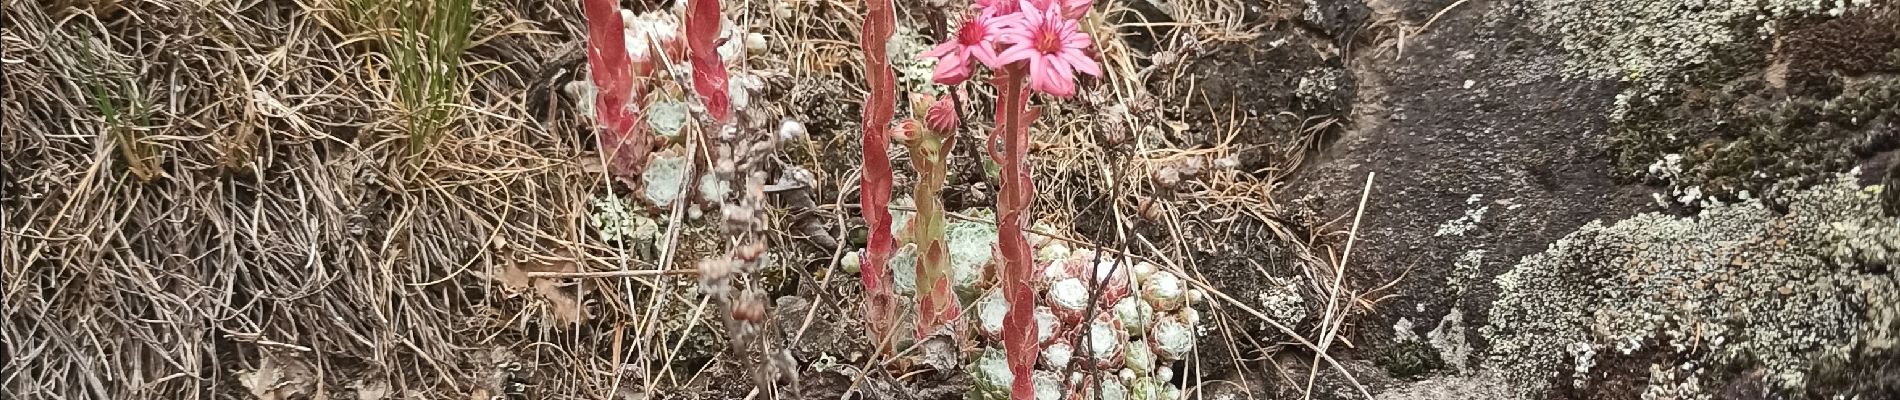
(1651,40)
(1738,285)
(1732,99)
(1743,139)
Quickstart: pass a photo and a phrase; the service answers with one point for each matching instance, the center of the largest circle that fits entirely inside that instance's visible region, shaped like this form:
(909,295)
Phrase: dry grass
(212,198)
(230,198)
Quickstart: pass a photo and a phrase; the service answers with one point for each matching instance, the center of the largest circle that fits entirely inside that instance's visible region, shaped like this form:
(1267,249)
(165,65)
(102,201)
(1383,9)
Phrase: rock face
(1485,152)
(1708,174)
(1735,286)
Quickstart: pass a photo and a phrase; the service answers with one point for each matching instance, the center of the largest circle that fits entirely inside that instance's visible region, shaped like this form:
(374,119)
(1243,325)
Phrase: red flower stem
(709,71)
(623,141)
(880,22)
(1019,324)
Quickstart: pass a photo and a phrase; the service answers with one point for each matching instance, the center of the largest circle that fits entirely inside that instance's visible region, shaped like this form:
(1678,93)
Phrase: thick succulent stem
(623,137)
(880,22)
(1019,324)
(703,23)
(936,303)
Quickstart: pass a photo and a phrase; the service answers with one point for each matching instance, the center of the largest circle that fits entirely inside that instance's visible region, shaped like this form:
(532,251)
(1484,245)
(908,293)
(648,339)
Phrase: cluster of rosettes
(1043,34)
(1142,324)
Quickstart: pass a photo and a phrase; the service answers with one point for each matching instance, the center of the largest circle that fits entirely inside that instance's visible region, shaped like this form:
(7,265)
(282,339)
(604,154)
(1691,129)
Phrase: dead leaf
(591,164)
(562,295)
(371,390)
(277,377)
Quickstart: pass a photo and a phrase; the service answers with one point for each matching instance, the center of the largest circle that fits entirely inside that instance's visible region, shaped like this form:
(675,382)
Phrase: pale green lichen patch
(1464,271)
(1735,286)
(1651,40)
(913,69)
(616,221)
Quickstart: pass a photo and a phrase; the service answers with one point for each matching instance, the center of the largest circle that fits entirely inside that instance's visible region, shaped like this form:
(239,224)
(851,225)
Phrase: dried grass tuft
(217,199)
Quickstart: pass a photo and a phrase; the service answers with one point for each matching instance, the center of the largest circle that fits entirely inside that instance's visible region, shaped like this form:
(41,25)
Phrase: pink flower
(975,39)
(1053,45)
(1072,9)
(1001,7)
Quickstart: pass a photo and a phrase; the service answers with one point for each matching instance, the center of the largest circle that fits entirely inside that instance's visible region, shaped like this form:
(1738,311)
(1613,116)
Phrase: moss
(1409,359)
(1819,53)
(1736,286)
(1451,388)
(1745,139)
(1747,94)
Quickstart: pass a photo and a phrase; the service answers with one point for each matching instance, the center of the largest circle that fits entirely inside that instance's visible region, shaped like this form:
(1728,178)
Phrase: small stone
(755,42)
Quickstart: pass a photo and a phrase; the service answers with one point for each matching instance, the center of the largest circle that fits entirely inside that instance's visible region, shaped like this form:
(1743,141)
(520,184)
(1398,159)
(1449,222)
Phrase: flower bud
(904,132)
(942,117)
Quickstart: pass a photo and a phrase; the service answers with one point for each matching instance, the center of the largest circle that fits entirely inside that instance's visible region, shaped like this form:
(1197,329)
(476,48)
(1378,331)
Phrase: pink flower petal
(941,50)
(1001,7)
(1052,72)
(1076,41)
(1061,88)
(987,54)
(951,70)
(1083,64)
(1036,66)
(1076,8)
(1029,6)
(1061,66)
(1019,52)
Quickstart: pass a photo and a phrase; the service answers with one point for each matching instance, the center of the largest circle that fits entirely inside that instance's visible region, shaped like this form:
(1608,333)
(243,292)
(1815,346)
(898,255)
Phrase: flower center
(1047,41)
(971,34)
